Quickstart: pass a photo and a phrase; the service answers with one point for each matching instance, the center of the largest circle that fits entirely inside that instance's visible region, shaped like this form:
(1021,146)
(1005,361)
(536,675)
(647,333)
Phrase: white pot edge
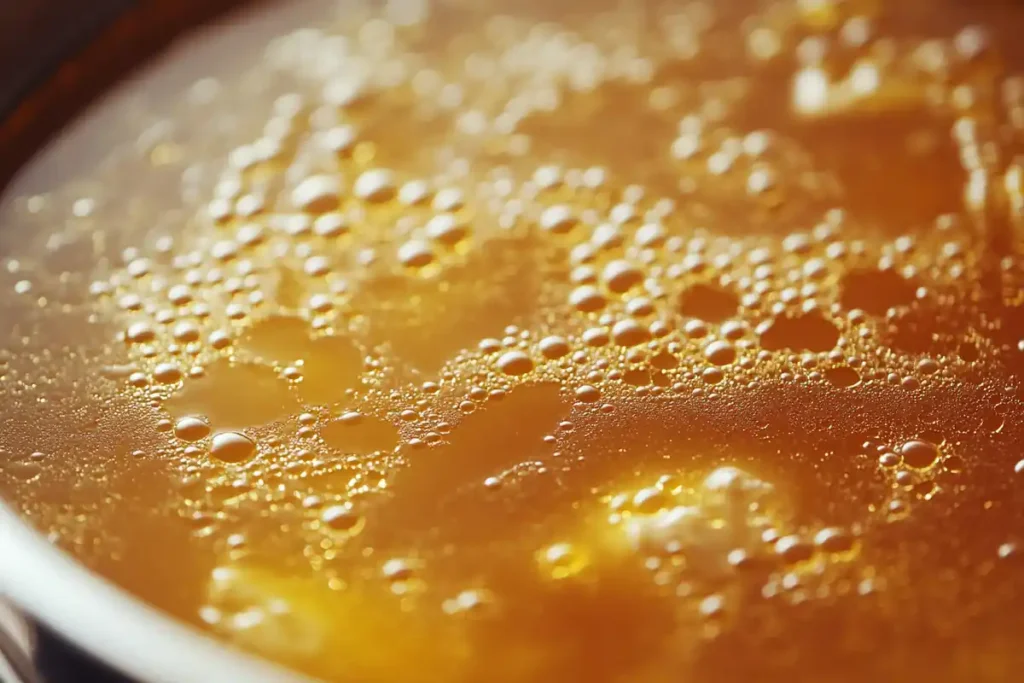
(110,624)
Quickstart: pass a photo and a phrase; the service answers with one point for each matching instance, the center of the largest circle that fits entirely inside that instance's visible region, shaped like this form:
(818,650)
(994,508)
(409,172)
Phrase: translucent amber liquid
(543,341)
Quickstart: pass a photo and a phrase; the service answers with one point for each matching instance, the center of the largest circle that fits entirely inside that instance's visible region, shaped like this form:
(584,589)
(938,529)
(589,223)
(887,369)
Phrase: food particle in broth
(449,341)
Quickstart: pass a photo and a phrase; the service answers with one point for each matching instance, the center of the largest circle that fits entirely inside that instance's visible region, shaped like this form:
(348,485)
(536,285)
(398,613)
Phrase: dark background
(61,663)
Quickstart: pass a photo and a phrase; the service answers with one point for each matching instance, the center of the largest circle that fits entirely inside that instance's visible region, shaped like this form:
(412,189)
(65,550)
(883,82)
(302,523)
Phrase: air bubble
(515,363)
(919,454)
(375,186)
(191,429)
(317,194)
(621,276)
(720,352)
(553,347)
(341,518)
(232,447)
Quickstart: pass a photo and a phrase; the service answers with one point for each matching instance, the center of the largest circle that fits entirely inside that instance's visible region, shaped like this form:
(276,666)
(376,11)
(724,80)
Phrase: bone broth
(451,341)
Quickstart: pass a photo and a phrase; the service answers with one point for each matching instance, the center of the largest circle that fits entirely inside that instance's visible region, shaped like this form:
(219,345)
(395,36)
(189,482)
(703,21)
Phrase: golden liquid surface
(543,341)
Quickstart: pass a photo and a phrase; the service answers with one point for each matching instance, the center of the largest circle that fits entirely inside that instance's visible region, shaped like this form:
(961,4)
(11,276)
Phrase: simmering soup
(444,340)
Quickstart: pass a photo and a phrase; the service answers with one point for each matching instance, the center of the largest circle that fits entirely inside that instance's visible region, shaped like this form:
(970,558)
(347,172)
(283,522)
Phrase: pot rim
(111,624)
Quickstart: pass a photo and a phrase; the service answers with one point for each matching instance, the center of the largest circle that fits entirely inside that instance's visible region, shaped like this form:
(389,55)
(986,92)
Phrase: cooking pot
(55,56)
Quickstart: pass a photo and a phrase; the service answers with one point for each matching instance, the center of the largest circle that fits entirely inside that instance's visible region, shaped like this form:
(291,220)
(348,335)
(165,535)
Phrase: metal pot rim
(108,622)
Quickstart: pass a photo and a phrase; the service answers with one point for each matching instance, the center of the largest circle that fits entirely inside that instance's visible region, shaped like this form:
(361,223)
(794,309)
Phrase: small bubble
(595,336)
(232,447)
(548,177)
(712,607)
(167,373)
(317,194)
(191,429)
(250,235)
(587,299)
(720,352)
(557,220)
(446,228)
(793,549)
(553,347)
(448,199)
(919,454)
(650,235)
(889,460)
(467,601)
(650,500)
(515,363)
(179,295)
(415,254)
(834,540)
(375,186)
(316,266)
(620,276)
(140,332)
(561,560)
(185,332)
(712,375)
(219,339)
(1008,551)
(399,569)
(139,267)
(414,193)
(340,140)
(350,417)
(341,518)
(330,225)
(629,332)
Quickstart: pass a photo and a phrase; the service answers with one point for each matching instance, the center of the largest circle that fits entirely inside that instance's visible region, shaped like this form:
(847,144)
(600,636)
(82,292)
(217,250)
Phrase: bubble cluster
(511,343)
